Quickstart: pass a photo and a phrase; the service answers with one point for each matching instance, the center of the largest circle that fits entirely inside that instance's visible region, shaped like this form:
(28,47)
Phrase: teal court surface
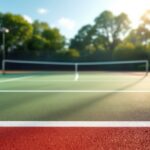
(64,96)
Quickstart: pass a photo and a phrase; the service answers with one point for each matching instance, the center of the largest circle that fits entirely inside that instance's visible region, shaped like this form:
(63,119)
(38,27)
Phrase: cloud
(42,11)
(27,18)
(66,23)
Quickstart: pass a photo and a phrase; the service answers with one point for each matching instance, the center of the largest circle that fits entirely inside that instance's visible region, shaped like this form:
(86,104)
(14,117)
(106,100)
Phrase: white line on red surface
(74,124)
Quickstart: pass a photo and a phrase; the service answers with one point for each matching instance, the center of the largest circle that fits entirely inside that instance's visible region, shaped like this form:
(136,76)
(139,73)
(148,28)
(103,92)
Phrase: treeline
(111,37)
(30,41)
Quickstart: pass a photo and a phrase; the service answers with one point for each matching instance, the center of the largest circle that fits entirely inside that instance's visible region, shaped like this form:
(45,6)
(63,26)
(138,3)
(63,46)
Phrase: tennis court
(59,96)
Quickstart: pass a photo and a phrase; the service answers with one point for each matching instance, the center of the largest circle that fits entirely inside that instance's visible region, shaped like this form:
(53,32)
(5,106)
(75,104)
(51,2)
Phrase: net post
(76,72)
(3,67)
(147,67)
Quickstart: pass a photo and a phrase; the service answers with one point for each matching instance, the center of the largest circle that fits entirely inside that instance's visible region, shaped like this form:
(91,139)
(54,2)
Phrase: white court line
(14,79)
(76,80)
(74,91)
(74,123)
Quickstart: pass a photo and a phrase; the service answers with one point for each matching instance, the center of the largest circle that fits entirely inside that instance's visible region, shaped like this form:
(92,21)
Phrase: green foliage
(112,28)
(124,51)
(141,52)
(45,40)
(128,51)
(134,37)
(56,40)
(109,38)
(39,27)
(30,40)
(82,39)
(141,35)
(73,53)
(20,31)
(38,45)
(105,34)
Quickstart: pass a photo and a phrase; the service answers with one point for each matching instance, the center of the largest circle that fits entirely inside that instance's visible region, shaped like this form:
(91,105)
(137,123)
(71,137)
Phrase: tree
(124,51)
(38,45)
(56,40)
(113,28)
(141,35)
(20,30)
(45,41)
(105,34)
(73,54)
(144,28)
(83,38)
(39,27)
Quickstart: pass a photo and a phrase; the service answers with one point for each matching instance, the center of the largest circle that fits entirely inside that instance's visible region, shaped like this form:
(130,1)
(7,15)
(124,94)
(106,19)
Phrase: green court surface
(62,97)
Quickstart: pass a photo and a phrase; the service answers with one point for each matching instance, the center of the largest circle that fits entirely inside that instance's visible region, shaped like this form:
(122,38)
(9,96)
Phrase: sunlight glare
(134,8)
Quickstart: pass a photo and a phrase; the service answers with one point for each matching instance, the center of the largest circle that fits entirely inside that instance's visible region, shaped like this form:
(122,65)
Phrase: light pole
(4,31)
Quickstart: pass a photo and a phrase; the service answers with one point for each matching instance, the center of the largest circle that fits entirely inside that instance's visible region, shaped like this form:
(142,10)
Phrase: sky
(70,15)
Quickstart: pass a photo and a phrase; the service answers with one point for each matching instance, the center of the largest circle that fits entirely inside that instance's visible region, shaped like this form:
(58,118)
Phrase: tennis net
(76,69)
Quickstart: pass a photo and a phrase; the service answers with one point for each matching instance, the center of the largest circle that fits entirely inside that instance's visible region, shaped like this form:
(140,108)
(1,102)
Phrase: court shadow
(63,113)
